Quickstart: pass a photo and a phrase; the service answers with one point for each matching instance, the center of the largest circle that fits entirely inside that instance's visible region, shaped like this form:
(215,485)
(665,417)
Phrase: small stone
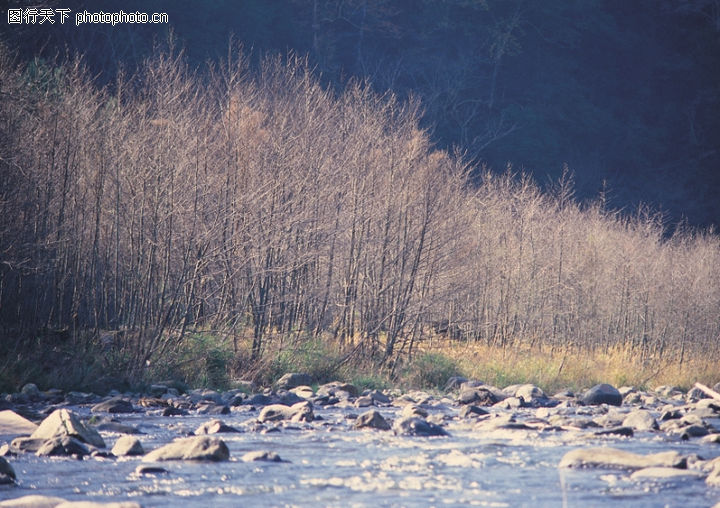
(143,470)
(614,458)
(416,426)
(666,473)
(693,431)
(412,410)
(364,401)
(7,472)
(26,444)
(128,446)
(214,427)
(372,419)
(213,409)
(471,411)
(616,431)
(641,420)
(261,456)
(117,428)
(379,398)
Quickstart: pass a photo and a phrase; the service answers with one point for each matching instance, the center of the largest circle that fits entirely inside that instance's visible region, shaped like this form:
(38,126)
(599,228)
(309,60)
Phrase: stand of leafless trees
(262,206)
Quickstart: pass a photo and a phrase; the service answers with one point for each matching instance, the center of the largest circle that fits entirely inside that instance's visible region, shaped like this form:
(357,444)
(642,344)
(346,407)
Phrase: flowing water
(328,463)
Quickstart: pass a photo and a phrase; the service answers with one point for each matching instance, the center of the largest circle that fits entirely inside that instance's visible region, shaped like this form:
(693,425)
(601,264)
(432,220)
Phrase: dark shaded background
(625,93)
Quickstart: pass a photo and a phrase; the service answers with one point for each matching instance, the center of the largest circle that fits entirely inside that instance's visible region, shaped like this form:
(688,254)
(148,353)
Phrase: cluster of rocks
(600,411)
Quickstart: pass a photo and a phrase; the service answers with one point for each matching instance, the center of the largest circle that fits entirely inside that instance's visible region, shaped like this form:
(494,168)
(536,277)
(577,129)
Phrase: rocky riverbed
(291,445)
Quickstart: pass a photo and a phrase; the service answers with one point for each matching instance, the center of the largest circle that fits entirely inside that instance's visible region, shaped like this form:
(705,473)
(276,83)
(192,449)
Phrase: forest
(239,217)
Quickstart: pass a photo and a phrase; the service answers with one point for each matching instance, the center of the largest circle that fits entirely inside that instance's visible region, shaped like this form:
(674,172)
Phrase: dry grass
(561,369)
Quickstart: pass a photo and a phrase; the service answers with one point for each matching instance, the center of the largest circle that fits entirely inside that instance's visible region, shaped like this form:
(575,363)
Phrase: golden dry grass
(574,369)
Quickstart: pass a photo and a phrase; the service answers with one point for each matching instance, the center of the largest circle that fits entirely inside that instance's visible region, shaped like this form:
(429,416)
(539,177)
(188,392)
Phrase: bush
(429,370)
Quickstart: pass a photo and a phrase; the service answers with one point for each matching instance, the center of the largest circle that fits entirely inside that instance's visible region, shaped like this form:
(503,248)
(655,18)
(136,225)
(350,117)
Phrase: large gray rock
(620,459)
(114,405)
(128,446)
(191,448)
(32,502)
(373,420)
(7,473)
(293,380)
(12,423)
(416,426)
(641,420)
(65,423)
(63,446)
(602,394)
(300,412)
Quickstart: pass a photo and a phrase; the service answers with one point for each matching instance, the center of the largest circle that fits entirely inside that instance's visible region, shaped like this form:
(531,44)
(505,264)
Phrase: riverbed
(327,462)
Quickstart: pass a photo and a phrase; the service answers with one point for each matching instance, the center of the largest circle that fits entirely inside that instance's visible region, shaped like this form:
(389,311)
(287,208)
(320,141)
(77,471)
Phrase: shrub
(429,370)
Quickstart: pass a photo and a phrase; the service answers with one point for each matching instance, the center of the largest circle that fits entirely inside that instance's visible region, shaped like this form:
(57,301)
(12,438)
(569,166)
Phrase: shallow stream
(328,463)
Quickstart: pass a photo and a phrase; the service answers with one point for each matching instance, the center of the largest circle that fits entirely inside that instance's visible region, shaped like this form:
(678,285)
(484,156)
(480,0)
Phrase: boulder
(620,459)
(338,389)
(300,412)
(372,419)
(63,446)
(293,380)
(416,426)
(114,405)
(602,394)
(641,420)
(31,391)
(32,502)
(191,448)
(128,446)
(7,473)
(214,427)
(13,423)
(65,423)
(479,396)
(261,456)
